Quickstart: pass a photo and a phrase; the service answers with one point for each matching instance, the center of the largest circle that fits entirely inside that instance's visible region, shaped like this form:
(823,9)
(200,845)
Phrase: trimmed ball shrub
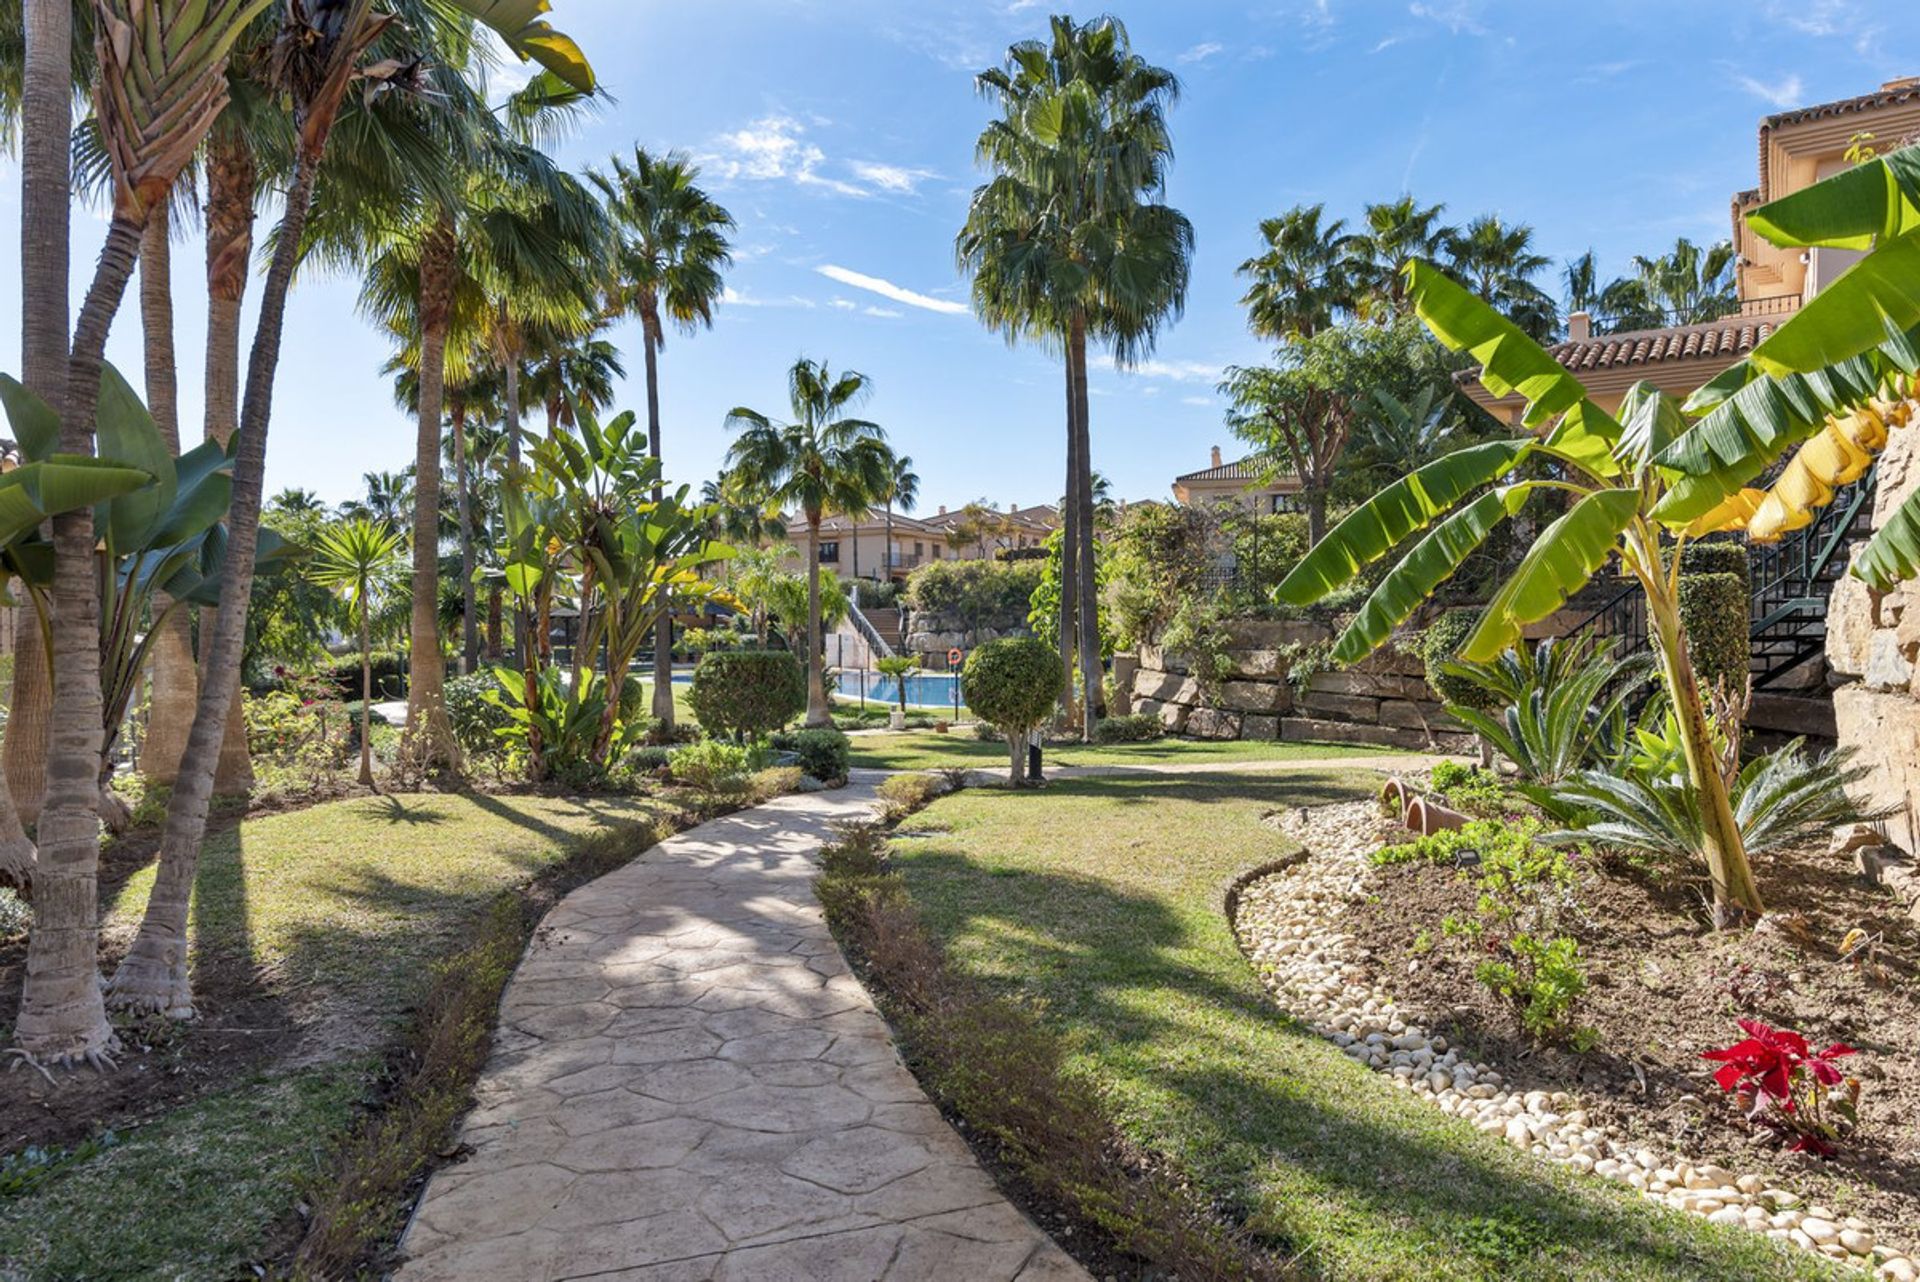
(747,693)
(710,766)
(1015,684)
(1717,612)
(1440,645)
(824,753)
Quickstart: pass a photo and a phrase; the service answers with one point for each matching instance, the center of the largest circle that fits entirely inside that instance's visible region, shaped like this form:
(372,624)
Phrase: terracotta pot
(1394,798)
(1426,817)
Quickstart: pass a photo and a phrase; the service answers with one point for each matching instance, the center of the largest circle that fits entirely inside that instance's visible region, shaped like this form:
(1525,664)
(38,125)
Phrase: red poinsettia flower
(1822,1064)
(1767,1059)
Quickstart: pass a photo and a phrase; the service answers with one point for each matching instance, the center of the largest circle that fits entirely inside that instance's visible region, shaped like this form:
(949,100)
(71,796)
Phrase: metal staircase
(1792,583)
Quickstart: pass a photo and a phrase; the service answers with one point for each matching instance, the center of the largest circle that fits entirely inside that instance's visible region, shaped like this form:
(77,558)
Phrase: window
(830,550)
(938,551)
(919,548)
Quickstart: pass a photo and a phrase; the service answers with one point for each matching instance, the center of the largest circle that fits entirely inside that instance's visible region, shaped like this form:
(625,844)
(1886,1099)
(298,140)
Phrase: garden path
(689,1084)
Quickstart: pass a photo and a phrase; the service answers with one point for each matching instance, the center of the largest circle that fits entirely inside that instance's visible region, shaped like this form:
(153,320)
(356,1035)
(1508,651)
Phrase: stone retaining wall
(1873,647)
(1384,701)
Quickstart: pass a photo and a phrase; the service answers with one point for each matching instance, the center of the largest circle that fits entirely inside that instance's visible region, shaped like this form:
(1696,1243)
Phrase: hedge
(991,594)
(1440,645)
(747,693)
(1717,612)
(389,674)
(824,753)
(1720,557)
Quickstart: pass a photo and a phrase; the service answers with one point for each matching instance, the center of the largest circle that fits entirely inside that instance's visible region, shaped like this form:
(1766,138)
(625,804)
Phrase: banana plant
(1635,486)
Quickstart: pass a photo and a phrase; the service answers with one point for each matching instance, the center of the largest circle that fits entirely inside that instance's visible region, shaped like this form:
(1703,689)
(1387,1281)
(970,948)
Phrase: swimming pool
(924,689)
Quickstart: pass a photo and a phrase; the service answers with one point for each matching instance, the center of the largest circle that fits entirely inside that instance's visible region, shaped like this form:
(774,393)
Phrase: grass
(932,751)
(345,912)
(1101,902)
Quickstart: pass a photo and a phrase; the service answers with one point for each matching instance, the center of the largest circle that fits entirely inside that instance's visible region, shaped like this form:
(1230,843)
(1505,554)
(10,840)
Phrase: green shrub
(986,594)
(1717,557)
(1543,979)
(826,754)
(987,732)
(389,668)
(650,760)
(1477,793)
(1716,611)
(1138,728)
(1495,840)
(16,915)
(1439,646)
(477,719)
(712,766)
(1015,684)
(747,693)
(906,793)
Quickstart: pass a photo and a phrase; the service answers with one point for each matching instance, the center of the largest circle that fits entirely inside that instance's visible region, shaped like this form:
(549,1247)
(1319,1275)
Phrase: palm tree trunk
(62,1017)
(1083,515)
(886,553)
(1069,561)
(469,624)
(46,126)
(512,364)
(663,630)
(232,180)
(430,740)
(366,690)
(153,975)
(175,680)
(818,715)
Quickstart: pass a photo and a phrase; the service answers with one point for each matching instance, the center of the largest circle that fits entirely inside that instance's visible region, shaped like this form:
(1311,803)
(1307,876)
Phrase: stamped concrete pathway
(689,1085)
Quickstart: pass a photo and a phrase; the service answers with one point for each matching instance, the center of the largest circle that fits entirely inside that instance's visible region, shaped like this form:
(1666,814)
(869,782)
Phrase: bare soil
(1663,988)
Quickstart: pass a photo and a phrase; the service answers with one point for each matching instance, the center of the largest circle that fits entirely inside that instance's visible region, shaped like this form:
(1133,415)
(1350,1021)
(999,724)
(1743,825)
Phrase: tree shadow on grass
(1138,969)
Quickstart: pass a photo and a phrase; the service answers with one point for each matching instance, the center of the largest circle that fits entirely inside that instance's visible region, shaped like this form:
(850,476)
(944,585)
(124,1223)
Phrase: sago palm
(821,461)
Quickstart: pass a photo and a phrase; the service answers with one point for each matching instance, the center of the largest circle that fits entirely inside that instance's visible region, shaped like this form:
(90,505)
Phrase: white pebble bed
(1288,924)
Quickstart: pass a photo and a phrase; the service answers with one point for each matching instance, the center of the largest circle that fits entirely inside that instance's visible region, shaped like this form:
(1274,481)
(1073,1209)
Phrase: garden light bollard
(1035,740)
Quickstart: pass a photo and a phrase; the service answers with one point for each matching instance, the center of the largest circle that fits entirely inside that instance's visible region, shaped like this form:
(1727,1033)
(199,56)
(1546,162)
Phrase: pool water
(924,689)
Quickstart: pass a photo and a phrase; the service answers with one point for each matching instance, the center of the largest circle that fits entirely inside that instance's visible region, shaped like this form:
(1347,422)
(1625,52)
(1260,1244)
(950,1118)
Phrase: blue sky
(840,133)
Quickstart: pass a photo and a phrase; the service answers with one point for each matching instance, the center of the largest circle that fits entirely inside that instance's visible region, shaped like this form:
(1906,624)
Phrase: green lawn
(929,751)
(1102,901)
(340,910)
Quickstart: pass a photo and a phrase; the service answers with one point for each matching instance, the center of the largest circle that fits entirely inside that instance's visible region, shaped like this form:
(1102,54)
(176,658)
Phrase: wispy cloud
(1180,371)
(776,148)
(1201,52)
(900,179)
(1790,92)
(1461,17)
(738,298)
(1202,401)
(887,289)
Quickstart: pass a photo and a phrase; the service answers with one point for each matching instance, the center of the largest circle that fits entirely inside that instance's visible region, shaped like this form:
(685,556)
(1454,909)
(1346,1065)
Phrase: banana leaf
(1509,360)
(1854,209)
(1432,562)
(1850,316)
(1560,563)
(1744,434)
(522,25)
(1892,555)
(1408,505)
(1650,421)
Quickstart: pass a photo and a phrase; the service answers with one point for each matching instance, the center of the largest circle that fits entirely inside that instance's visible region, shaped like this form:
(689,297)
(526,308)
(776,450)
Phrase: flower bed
(1334,938)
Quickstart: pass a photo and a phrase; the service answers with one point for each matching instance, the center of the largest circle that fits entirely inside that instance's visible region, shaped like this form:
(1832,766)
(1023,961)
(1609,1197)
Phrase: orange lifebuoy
(954,658)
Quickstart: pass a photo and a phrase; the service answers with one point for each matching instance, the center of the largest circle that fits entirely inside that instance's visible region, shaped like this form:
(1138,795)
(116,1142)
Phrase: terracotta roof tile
(1731,337)
(1244,470)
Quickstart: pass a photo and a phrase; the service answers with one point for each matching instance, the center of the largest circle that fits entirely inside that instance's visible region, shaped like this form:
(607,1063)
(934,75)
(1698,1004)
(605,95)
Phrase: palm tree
(316,59)
(739,517)
(1304,278)
(822,461)
(1395,233)
(902,491)
(1615,305)
(574,370)
(667,264)
(1069,239)
(1692,284)
(1498,261)
(361,562)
